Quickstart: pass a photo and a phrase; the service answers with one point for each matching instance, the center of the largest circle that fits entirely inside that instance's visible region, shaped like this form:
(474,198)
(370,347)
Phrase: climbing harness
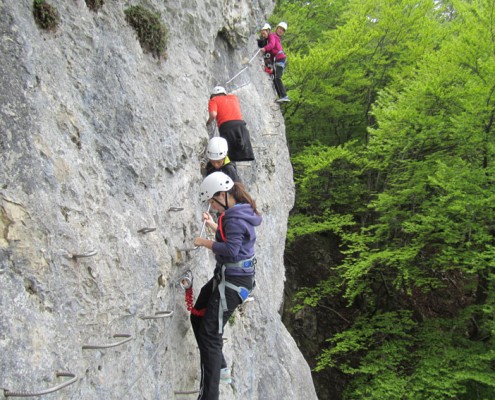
(240,268)
(220,227)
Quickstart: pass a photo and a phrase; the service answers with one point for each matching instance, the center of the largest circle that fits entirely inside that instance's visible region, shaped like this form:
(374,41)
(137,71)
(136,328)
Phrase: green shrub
(45,15)
(95,5)
(152,34)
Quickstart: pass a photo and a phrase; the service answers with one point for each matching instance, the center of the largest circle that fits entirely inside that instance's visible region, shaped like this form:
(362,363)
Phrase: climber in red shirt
(226,110)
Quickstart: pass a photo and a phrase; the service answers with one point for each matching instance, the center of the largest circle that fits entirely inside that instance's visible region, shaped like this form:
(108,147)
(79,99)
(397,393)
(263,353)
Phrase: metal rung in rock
(146,230)
(158,315)
(184,392)
(90,253)
(127,337)
(8,393)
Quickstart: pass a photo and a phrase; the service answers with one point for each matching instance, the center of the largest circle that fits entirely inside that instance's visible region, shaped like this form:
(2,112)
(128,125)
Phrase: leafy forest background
(391,246)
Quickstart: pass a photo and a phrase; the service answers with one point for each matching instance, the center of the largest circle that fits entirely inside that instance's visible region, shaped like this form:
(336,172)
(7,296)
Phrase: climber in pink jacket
(279,59)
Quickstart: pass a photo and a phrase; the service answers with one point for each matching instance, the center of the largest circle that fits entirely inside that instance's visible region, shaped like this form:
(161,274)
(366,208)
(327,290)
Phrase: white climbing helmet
(217,148)
(283,25)
(218,90)
(266,27)
(213,183)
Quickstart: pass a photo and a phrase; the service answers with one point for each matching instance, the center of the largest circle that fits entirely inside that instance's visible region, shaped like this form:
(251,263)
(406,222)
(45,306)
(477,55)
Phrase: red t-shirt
(227,108)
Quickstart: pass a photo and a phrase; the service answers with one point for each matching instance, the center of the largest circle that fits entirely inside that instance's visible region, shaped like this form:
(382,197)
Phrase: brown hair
(238,191)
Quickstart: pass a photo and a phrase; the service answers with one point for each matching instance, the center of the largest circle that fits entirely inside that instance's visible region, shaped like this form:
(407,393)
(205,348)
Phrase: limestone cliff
(101,146)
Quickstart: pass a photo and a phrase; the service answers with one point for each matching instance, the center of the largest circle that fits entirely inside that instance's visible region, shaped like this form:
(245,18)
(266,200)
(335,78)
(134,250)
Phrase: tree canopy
(392,142)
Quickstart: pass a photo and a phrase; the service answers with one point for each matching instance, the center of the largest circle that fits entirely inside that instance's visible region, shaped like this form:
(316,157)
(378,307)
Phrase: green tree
(334,83)
(411,199)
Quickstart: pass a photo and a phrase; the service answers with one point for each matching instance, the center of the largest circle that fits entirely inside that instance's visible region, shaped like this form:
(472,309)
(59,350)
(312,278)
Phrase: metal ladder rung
(106,346)
(146,230)
(184,392)
(75,256)
(8,393)
(158,315)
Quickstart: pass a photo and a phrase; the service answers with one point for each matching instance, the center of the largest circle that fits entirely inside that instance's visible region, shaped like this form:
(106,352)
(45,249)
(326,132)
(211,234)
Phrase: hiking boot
(225,376)
(283,100)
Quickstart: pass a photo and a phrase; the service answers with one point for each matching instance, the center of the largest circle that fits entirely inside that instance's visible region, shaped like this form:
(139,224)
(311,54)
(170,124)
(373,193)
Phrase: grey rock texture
(100,140)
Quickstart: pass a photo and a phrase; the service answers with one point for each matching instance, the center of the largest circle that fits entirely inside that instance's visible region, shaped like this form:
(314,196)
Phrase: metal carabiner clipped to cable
(186,280)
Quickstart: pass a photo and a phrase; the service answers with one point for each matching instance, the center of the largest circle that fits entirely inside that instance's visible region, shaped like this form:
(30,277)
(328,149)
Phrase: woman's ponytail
(240,195)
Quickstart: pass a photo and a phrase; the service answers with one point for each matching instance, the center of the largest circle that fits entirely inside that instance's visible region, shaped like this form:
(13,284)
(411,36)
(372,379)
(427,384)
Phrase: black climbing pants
(277,79)
(205,329)
(237,136)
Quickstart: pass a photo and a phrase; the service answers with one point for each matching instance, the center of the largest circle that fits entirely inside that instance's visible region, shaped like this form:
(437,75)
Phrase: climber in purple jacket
(233,278)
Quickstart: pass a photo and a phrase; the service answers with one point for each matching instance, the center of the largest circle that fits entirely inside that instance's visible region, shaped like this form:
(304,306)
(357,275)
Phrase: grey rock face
(99,173)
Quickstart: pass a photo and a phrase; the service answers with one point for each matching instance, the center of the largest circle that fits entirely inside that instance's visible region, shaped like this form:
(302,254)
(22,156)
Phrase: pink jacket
(274,47)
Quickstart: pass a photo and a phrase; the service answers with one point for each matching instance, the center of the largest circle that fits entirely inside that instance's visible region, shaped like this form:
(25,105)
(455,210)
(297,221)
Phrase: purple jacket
(237,225)
(274,47)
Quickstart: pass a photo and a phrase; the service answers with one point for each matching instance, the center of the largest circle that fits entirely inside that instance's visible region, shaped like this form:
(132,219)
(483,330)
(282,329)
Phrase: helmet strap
(216,201)
(226,205)
(226,201)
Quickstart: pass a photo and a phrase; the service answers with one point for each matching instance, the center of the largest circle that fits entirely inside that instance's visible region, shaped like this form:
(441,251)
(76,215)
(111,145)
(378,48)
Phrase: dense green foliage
(392,136)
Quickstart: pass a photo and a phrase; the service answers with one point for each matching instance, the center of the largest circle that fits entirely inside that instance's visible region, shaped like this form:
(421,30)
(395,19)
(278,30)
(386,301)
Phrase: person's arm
(199,241)
(212,110)
(234,232)
(269,46)
(213,116)
(231,171)
(209,221)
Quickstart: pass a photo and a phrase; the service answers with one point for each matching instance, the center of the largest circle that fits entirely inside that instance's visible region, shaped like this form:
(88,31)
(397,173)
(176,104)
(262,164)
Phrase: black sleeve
(209,168)
(262,42)
(231,170)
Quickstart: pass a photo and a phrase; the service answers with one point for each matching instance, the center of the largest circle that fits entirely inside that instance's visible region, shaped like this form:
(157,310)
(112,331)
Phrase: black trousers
(277,80)
(205,329)
(237,136)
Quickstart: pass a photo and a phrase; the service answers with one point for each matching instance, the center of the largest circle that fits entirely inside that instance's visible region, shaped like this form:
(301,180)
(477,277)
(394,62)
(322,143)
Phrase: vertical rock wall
(100,141)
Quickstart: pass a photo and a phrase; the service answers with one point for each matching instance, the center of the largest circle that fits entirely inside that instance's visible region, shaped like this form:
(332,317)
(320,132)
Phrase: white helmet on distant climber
(283,25)
(266,27)
(217,148)
(213,183)
(218,90)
